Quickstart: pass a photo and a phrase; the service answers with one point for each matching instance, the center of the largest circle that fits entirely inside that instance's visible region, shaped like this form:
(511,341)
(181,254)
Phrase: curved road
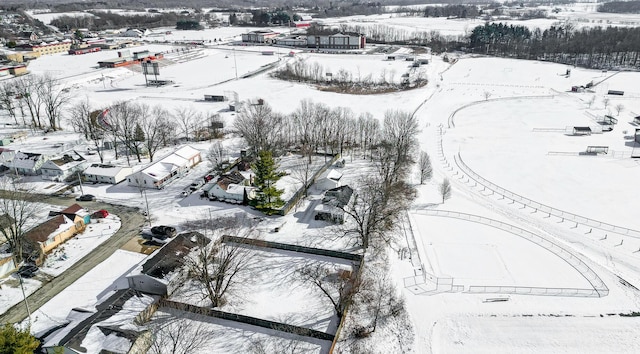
(131,220)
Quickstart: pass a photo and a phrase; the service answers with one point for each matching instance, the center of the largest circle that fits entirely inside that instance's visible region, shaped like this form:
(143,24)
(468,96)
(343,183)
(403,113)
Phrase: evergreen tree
(266,176)
(15,341)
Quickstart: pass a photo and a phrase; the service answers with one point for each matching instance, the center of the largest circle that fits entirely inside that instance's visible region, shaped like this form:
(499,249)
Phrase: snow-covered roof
(65,162)
(170,163)
(235,189)
(187,152)
(334,175)
(49,228)
(104,170)
(25,160)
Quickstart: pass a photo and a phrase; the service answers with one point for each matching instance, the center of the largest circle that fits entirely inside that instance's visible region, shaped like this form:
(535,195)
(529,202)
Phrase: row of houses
(333,41)
(71,163)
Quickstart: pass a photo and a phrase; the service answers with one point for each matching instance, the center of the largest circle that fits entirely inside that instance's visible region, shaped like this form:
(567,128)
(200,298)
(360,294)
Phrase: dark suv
(169,231)
(86,198)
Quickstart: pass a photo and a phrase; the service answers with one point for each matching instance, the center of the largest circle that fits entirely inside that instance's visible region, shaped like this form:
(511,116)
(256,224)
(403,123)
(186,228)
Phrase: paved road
(131,220)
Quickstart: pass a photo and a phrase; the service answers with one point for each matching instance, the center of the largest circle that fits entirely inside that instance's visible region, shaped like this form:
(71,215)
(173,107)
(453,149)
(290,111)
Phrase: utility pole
(80,181)
(147,202)
(24,296)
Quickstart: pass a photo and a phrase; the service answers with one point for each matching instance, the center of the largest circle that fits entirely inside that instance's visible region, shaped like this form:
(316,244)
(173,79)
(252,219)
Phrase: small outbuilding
(581,131)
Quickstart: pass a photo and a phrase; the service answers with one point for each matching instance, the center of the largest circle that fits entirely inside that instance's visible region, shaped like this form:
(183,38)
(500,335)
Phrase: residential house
(114,325)
(7,262)
(167,169)
(107,173)
(72,211)
(27,163)
(328,180)
(333,204)
(230,187)
(59,169)
(53,232)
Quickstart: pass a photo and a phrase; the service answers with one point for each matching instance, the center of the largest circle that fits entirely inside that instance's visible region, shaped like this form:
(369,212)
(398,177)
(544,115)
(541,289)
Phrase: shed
(5,141)
(581,131)
(615,92)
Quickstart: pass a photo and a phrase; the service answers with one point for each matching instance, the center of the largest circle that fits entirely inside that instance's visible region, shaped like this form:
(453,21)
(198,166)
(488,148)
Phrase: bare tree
(187,119)
(54,97)
(399,141)
(487,95)
(27,88)
(18,209)
(445,189)
(606,102)
(7,94)
(85,120)
(619,108)
(280,345)
(178,335)
(424,164)
(301,172)
(260,127)
(591,101)
(218,267)
(156,127)
(124,118)
(216,155)
(338,285)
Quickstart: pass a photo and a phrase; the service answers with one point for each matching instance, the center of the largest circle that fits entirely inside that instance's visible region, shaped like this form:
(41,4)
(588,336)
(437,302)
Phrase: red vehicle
(100,214)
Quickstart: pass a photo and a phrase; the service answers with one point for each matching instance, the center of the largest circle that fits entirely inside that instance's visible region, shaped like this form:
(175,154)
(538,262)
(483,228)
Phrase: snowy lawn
(476,254)
(217,336)
(273,291)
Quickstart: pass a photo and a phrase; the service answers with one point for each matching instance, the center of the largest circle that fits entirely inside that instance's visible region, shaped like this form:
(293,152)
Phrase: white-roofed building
(107,173)
(27,163)
(173,166)
(329,180)
(59,169)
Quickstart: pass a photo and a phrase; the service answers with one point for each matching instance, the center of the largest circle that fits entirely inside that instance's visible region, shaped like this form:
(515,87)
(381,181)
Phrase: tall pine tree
(15,341)
(265,169)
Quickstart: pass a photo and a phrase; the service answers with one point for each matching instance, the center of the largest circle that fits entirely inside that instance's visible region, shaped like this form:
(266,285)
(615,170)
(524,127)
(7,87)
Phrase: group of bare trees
(344,81)
(18,210)
(311,128)
(34,100)
(137,128)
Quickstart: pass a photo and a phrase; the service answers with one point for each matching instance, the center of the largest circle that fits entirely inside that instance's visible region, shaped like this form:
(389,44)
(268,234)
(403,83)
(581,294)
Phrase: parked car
(28,270)
(185,193)
(195,185)
(86,198)
(208,178)
(164,230)
(100,214)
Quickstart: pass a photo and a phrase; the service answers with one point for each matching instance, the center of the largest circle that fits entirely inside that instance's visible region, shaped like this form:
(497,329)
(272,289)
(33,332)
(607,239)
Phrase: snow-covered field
(509,121)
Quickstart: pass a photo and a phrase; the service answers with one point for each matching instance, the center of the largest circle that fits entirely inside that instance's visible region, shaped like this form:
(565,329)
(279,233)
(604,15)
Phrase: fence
(541,207)
(300,193)
(521,290)
(451,123)
(599,289)
(277,326)
(293,248)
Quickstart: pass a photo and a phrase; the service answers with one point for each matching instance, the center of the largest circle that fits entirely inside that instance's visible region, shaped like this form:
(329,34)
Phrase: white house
(328,180)
(107,173)
(59,169)
(27,163)
(231,187)
(163,171)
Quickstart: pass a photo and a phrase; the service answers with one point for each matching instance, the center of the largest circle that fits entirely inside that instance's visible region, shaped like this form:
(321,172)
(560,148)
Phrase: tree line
(597,47)
(620,7)
(98,20)
(139,129)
